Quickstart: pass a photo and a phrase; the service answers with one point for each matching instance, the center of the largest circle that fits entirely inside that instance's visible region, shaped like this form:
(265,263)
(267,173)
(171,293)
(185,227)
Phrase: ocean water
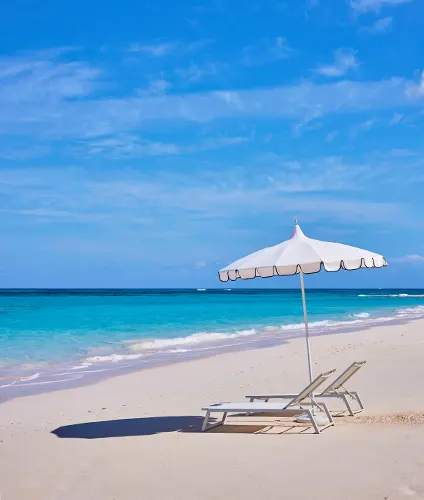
(51,336)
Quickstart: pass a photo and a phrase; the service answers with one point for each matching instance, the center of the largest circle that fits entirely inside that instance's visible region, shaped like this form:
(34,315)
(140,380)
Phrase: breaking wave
(393,295)
(211,340)
(195,338)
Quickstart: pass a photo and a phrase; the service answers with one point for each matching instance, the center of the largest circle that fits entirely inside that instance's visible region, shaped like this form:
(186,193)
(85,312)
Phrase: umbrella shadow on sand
(129,427)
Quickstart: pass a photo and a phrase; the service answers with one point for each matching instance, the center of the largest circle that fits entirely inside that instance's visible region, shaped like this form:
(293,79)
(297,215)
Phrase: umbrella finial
(295,221)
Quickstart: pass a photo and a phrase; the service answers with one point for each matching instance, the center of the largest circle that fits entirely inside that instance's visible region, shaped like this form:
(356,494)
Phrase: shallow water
(55,336)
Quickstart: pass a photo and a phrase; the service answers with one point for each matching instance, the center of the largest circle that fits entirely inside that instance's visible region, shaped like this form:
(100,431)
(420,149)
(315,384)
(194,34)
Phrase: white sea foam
(195,338)
(114,358)
(34,376)
(410,312)
(47,382)
(204,341)
(393,295)
(272,328)
(8,385)
(30,377)
(85,364)
(317,324)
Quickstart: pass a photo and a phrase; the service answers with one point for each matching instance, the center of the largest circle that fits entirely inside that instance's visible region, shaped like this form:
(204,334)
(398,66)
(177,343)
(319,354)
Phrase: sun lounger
(300,404)
(335,390)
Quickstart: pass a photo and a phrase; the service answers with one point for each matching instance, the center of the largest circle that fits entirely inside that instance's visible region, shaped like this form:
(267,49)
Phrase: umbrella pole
(320,419)
(305,317)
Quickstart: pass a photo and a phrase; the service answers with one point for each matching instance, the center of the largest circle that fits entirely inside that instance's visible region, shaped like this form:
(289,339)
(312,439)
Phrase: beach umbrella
(301,255)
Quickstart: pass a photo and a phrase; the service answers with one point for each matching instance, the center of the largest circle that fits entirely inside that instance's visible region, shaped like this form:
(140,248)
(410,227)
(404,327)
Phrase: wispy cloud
(116,196)
(417,90)
(311,4)
(375,5)
(159,86)
(156,87)
(409,259)
(194,72)
(155,50)
(131,146)
(52,100)
(34,78)
(396,118)
(308,123)
(344,61)
(165,48)
(381,26)
(401,153)
(331,136)
(270,50)
(364,126)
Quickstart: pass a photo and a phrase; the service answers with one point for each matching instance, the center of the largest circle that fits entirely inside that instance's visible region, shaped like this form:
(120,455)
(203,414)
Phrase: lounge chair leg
(346,401)
(361,406)
(312,419)
(328,413)
(205,421)
(206,427)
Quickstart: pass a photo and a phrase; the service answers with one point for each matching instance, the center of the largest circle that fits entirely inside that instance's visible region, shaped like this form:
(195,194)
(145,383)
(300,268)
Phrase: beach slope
(137,435)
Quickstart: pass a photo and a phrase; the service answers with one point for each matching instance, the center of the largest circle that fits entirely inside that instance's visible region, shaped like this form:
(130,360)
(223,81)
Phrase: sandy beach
(137,435)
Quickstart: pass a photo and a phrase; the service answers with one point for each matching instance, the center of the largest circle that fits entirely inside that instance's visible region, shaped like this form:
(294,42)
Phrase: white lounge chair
(335,390)
(296,406)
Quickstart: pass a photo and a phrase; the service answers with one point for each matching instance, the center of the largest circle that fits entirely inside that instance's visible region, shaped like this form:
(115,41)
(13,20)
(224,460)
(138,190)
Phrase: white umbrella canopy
(301,255)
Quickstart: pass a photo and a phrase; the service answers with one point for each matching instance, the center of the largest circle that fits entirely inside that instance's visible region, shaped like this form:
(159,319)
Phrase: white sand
(378,455)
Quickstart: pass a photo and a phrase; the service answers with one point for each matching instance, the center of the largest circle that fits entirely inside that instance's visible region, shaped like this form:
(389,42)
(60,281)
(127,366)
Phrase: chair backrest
(310,389)
(344,377)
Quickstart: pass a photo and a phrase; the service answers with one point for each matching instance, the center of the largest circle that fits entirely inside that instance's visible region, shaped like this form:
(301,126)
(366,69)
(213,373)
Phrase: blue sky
(151,143)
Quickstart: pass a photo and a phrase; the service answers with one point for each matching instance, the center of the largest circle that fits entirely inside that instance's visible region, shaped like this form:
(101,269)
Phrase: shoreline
(77,373)
(74,357)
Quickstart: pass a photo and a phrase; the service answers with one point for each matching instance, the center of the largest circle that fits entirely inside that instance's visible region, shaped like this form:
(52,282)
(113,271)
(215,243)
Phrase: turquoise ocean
(50,338)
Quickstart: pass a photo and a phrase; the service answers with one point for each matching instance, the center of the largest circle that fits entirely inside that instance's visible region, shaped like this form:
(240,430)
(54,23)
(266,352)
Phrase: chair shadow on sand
(129,427)
(157,425)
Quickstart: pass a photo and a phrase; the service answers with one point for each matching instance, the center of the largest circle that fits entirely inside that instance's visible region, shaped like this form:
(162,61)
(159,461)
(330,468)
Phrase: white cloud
(331,136)
(396,118)
(200,264)
(364,126)
(31,79)
(155,50)
(52,99)
(417,90)
(165,48)
(375,5)
(409,259)
(119,195)
(381,26)
(159,86)
(195,72)
(401,153)
(131,146)
(344,61)
(270,50)
(311,4)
